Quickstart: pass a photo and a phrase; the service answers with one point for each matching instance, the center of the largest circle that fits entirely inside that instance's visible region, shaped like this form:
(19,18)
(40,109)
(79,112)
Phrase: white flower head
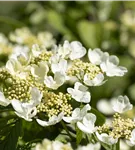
(122,104)
(27,110)
(80,93)
(97,81)
(88,123)
(52,120)
(59,79)
(4,101)
(77,114)
(105,138)
(111,68)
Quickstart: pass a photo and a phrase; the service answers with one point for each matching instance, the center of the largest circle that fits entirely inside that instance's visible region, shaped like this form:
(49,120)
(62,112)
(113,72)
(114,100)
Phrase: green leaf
(90,33)
(79,136)
(9,142)
(56,20)
(100,117)
(11,21)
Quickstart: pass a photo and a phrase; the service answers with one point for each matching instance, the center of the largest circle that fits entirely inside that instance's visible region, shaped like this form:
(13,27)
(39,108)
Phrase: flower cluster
(55,145)
(120,128)
(53,84)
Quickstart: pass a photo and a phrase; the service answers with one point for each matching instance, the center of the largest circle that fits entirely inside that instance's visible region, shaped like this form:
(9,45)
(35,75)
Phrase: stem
(116,146)
(66,129)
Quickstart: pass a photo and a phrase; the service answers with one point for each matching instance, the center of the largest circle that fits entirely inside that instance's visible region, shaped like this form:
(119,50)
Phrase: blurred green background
(108,25)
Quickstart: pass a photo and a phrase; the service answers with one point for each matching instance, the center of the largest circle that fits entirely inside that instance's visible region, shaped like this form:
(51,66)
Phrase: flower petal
(3,100)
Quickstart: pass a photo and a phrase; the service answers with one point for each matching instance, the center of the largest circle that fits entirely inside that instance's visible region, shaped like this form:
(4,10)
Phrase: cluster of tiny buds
(44,56)
(18,89)
(79,68)
(41,86)
(53,104)
(4,75)
(120,127)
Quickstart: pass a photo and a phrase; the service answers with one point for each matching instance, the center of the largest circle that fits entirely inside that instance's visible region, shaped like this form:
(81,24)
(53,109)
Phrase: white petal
(42,123)
(114,59)
(36,50)
(17,105)
(78,50)
(84,110)
(60,78)
(3,100)
(85,97)
(83,128)
(59,67)
(80,86)
(53,120)
(105,138)
(88,125)
(13,66)
(95,56)
(36,96)
(132,139)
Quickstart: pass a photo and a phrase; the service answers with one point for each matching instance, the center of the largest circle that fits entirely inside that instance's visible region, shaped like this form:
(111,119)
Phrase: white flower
(105,138)
(88,123)
(16,68)
(19,50)
(122,104)
(40,71)
(46,38)
(90,146)
(80,93)
(61,66)
(111,68)
(59,79)
(36,96)
(54,59)
(37,50)
(95,56)
(73,50)
(108,64)
(53,120)
(4,101)
(77,114)
(97,81)
(27,110)
(13,66)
